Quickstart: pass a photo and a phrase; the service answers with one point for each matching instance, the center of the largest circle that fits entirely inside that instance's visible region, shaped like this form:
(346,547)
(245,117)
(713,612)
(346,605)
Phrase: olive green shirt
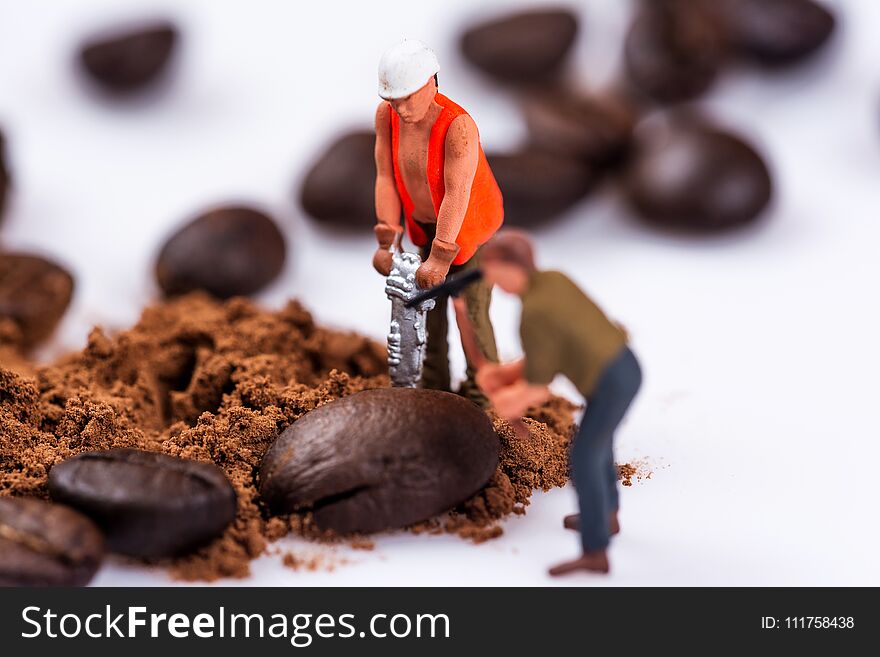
(564,332)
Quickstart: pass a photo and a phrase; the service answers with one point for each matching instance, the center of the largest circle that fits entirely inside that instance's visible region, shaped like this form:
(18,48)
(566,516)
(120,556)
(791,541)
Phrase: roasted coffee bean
(597,128)
(523,47)
(226,252)
(696,176)
(130,59)
(45,544)
(674,49)
(4,176)
(34,294)
(380,459)
(538,186)
(776,32)
(148,504)
(339,188)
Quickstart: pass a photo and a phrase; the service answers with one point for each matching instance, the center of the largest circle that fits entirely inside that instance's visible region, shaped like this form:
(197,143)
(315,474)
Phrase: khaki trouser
(478,297)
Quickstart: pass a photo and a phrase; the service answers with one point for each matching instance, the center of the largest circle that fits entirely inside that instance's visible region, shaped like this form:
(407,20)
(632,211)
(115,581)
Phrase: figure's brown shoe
(593,562)
(613,524)
(574,522)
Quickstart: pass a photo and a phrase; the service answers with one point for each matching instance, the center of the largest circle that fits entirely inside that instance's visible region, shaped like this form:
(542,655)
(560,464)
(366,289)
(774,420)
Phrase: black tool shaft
(451,286)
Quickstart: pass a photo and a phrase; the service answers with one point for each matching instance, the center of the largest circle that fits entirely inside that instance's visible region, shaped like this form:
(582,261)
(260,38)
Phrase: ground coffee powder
(217,382)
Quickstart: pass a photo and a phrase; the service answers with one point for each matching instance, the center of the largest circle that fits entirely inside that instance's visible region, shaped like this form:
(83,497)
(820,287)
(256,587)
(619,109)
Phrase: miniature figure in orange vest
(432,170)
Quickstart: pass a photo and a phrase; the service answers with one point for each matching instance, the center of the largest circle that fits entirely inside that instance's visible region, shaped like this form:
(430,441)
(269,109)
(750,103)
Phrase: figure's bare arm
(462,157)
(512,401)
(492,377)
(388,204)
(387,200)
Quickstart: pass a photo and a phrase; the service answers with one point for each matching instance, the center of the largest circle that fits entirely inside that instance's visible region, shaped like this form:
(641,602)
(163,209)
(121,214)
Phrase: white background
(759,410)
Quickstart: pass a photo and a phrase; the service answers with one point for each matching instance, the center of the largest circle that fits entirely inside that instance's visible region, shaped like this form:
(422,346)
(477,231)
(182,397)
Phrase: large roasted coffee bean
(597,128)
(43,544)
(524,47)
(674,48)
(227,252)
(380,459)
(696,176)
(148,504)
(538,185)
(339,188)
(4,176)
(130,59)
(776,32)
(34,294)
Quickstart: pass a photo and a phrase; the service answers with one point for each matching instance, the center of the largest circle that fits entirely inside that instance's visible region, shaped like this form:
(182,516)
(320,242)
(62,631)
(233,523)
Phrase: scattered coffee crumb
(432,526)
(473,531)
(361,543)
(639,470)
(312,562)
(625,473)
(213,381)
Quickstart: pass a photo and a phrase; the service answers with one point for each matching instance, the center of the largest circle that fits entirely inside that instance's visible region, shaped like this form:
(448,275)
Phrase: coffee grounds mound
(217,382)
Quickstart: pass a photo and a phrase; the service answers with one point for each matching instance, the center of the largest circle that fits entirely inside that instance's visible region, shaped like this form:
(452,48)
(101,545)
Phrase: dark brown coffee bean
(523,47)
(226,252)
(45,544)
(696,176)
(538,186)
(674,49)
(34,294)
(380,459)
(339,188)
(597,129)
(777,32)
(148,504)
(131,59)
(4,176)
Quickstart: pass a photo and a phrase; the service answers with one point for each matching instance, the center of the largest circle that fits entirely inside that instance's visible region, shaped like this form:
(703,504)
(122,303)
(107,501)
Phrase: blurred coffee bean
(776,32)
(674,49)
(34,294)
(597,128)
(696,176)
(43,544)
(226,252)
(148,504)
(538,185)
(130,59)
(4,176)
(380,459)
(338,190)
(523,47)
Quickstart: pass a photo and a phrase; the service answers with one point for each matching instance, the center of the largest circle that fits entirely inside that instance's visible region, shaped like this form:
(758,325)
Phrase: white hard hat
(405,68)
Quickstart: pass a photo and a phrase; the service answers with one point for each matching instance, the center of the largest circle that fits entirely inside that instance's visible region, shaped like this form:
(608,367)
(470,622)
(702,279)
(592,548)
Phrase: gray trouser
(592,453)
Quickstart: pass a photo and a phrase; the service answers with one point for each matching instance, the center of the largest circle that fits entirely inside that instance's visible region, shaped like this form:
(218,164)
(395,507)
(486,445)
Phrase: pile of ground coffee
(639,469)
(217,382)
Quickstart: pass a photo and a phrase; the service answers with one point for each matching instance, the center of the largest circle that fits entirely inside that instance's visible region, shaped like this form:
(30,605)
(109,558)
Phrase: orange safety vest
(485,211)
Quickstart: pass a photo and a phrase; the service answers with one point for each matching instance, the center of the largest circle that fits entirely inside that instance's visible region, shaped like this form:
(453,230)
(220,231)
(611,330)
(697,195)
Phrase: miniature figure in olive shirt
(564,332)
